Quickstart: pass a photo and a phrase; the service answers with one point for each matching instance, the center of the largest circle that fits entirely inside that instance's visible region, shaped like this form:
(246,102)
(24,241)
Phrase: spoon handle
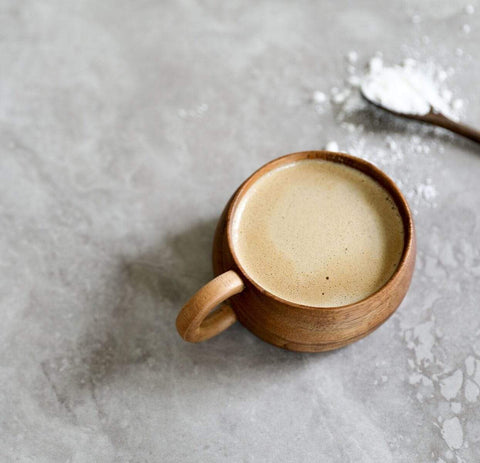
(457,127)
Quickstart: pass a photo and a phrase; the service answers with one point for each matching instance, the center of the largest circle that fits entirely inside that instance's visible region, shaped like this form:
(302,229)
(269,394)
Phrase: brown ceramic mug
(278,321)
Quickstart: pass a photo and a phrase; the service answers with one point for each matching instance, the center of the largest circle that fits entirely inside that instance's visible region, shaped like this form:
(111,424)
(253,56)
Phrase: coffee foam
(318,233)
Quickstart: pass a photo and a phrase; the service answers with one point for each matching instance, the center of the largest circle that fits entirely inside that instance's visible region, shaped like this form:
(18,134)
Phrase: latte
(318,233)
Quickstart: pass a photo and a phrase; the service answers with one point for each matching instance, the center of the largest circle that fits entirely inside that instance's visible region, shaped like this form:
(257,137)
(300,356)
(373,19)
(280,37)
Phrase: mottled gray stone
(124,128)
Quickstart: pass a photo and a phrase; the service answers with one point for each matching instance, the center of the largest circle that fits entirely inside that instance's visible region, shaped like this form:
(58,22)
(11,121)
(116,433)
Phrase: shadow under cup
(281,322)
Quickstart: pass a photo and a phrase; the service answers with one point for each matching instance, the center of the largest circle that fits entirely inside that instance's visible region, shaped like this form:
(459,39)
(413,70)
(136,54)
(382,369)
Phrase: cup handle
(195,323)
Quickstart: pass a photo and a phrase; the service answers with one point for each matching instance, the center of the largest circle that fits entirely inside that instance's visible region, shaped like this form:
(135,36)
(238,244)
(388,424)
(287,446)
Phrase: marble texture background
(124,128)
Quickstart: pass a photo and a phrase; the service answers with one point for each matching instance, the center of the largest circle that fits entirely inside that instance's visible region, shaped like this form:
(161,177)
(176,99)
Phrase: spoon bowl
(434,118)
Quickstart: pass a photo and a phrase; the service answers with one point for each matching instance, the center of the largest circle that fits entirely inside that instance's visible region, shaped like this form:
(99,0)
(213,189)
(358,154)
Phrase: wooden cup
(280,322)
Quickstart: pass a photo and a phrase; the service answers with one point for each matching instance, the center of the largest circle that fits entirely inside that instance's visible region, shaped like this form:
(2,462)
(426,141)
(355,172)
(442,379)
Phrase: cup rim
(342,158)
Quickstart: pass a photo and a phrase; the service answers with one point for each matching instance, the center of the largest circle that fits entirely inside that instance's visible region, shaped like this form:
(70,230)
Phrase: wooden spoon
(435,118)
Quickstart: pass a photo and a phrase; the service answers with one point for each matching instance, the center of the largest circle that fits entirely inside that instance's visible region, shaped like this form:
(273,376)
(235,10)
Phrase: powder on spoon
(404,89)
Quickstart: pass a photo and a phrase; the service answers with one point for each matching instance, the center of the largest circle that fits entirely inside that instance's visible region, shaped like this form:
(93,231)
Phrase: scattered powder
(469,9)
(198,111)
(331,146)
(319,97)
(352,57)
(452,433)
(427,190)
(471,391)
(339,96)
(361,130)
(466,29)
(406,88)
(457,105)
(450,386)
(320,100)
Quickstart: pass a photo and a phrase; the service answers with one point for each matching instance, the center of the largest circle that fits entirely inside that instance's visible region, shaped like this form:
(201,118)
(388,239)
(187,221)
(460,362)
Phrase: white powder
(352,57)
(405,155)
(320,100)
(406,88)
(198,111)
(332,146)
(319,97)
(426,190)
(339,96)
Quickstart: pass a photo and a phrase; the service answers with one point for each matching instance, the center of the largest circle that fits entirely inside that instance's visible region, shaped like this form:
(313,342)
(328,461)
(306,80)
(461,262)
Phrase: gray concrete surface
(124,128)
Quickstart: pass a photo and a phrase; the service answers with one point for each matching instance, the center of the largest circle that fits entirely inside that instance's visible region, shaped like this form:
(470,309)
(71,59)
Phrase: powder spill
(196,112)
(406,88)
(402,153)
(319,97)
(426,190)
(320,100)
(332,146)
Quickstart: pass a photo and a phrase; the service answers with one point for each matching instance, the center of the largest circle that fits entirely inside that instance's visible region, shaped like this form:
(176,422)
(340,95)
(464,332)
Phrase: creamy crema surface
(318,233)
